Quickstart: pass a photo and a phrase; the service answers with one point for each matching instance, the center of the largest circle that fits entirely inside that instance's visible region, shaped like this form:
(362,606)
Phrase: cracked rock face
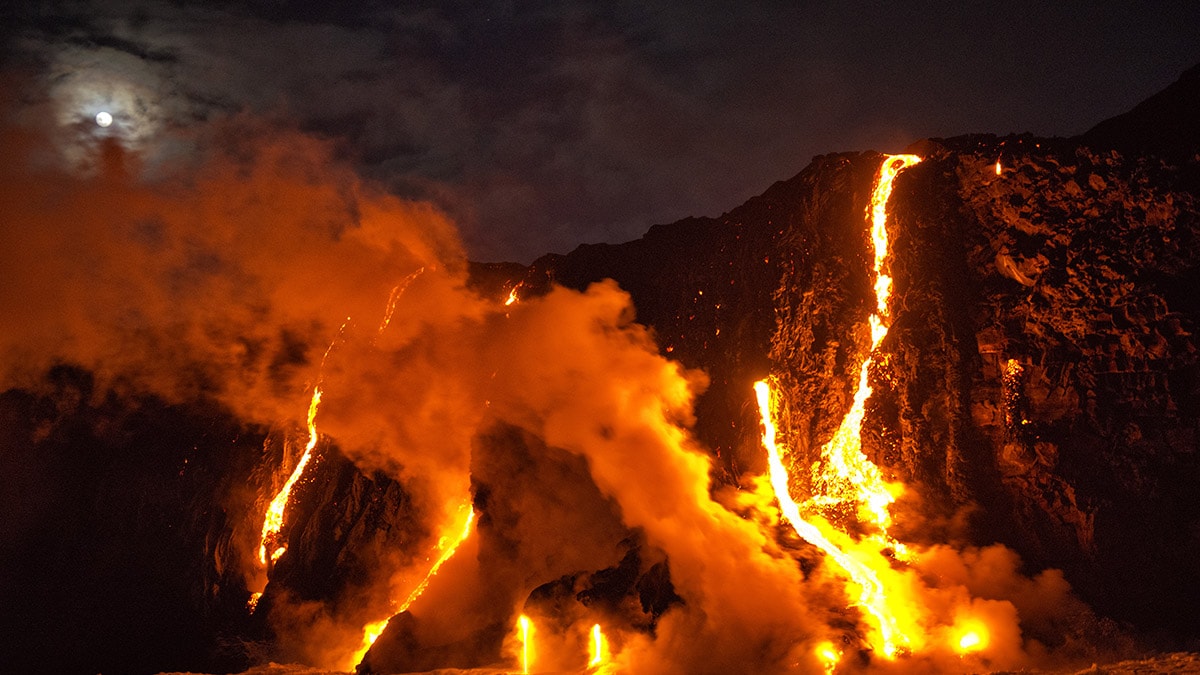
(1040,377)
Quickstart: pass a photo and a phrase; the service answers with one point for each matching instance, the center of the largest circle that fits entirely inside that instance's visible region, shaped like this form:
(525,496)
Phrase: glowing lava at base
(828,655)
(871,592)
(526,627)
(971,637)
(597,647)
(273,521)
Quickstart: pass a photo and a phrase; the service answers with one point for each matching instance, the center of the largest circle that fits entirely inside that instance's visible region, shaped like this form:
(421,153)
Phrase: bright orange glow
(273,521)
(871,596)
(526,648)
(597,647)
(512,296)
(971,637)
(252,603)
(844,475)
(447,544)
(829,656)
(999,169)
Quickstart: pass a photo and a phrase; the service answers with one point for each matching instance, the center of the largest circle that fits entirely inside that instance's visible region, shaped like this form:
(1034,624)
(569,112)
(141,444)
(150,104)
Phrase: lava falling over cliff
(407,462)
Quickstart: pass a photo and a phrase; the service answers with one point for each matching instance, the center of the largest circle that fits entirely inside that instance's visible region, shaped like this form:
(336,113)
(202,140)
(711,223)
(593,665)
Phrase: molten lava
(844,477)
(597,647)
(871,591)
(828,655)
(526,627)
(273,521)
(447,544)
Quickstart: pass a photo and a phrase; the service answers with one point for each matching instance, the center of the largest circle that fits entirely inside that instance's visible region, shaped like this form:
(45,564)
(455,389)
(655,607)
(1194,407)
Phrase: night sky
(540,126)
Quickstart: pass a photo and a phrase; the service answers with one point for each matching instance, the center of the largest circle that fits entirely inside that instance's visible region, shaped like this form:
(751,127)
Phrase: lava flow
(844,475)
(447,546)
(597,647)
(526,648)
(273,520)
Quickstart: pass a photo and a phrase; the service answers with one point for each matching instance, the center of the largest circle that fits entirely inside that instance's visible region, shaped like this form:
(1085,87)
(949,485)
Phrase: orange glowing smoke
(273,521)
(447,546)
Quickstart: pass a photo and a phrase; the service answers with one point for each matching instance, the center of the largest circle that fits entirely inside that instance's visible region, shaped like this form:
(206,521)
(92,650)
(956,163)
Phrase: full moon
(104,118)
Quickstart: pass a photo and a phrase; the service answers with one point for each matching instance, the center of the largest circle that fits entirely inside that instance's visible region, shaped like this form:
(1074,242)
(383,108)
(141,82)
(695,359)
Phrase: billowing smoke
(227,275)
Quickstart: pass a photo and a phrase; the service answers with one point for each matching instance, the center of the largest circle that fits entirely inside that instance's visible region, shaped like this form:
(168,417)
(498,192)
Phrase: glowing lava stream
(273,520)
(524,623)
(597,647)
(844,474)
(373,630)
(871,597)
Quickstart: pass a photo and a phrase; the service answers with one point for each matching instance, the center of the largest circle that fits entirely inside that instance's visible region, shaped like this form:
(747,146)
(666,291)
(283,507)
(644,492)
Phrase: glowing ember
(512,296)
(999,169)
(252,603)
(828,655)
(273,521)
(526,651)
(447,546)
(597,647)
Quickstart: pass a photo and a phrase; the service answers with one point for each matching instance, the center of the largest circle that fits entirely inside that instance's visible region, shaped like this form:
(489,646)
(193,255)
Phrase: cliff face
(1040,377)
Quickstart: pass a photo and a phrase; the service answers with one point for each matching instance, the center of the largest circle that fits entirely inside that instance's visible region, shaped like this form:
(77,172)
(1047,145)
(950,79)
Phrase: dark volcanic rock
(1163,125)
(1041,373)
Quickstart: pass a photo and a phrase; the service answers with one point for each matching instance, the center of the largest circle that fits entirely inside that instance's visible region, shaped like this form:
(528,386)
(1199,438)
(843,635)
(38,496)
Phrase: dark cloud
(541,127)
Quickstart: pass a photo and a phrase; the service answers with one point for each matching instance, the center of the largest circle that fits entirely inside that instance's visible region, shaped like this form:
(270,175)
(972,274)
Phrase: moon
(104,118)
